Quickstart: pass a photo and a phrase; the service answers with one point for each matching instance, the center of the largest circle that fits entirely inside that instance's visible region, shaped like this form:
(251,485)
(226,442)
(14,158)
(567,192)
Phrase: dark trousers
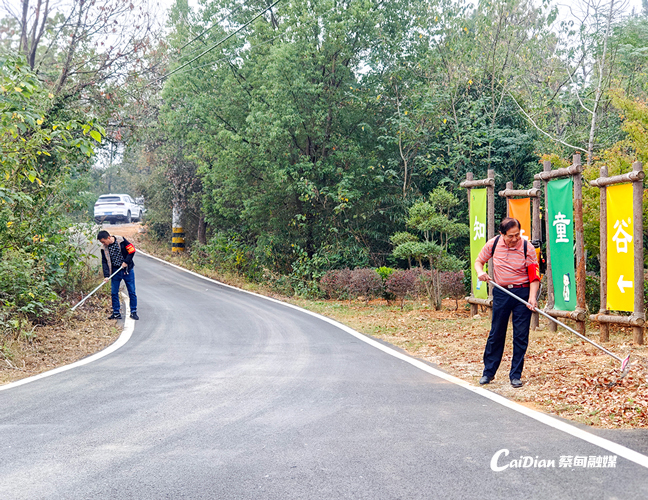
(129,279)
(503,306)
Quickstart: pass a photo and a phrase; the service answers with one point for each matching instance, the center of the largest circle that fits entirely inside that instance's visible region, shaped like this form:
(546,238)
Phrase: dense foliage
(319,133)
(325,135)
(41,160)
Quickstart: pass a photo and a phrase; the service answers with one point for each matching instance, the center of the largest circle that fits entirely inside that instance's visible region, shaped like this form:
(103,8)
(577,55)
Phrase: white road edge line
(555,423)
(129,326)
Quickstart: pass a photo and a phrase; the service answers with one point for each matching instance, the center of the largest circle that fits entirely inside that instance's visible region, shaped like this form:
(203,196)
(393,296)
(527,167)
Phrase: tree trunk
(23,28)
(71,50)
(37,32)
(202,230)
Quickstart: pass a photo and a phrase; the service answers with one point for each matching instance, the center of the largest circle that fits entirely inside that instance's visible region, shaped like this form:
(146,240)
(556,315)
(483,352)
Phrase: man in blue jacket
(117,253)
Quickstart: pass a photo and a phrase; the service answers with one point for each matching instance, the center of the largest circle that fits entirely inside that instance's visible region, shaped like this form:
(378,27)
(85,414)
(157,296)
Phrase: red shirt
(509,265)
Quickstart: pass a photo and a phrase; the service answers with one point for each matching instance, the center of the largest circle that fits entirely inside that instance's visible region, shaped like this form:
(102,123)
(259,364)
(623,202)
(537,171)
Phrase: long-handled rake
(625,363)
(93,291)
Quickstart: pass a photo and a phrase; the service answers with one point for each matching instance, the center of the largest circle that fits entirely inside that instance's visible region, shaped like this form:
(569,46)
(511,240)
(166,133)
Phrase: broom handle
(93,291)
(558,322)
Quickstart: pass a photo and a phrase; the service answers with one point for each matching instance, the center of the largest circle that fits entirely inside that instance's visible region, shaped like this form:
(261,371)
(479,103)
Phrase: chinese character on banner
(580,461)
(520,209)
(480,229)
(477,216)
(565,461)
(591,461)
(612,461)
(560,236)
(561,224)
(621,251)
(621,237)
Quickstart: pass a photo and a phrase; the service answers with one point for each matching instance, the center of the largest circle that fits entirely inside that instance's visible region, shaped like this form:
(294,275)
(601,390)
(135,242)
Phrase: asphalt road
(223,395)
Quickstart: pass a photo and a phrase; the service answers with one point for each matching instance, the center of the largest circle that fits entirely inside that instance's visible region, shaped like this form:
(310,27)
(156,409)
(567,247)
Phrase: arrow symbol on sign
(623,284)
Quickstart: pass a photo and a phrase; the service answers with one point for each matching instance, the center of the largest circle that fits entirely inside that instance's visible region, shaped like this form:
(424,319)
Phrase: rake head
(625,366)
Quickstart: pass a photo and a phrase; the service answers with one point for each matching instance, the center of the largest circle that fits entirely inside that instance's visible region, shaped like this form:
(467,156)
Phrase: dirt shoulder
(70,338)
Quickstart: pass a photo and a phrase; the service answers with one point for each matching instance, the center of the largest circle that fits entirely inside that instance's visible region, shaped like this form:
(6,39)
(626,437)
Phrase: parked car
(116,208)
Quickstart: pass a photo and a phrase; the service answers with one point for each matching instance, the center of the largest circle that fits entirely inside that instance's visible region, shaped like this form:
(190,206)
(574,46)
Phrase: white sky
(629,5)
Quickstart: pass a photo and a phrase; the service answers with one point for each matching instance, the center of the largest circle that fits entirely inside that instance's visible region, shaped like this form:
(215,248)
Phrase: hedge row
(388,283)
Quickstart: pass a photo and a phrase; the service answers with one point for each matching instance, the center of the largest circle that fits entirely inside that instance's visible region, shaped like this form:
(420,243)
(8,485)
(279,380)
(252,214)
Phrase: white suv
(116,208)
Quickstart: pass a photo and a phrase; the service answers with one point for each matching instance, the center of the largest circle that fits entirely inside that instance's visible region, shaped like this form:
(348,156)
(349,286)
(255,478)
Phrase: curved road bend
(223,395)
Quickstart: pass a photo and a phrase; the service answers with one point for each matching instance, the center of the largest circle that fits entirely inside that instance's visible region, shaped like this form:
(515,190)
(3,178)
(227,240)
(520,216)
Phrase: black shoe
(115,316)
(134,315)
(517,383)
(485,380)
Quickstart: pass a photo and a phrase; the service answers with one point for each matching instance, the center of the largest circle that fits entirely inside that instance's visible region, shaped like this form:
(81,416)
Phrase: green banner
(560,208)
(477,237)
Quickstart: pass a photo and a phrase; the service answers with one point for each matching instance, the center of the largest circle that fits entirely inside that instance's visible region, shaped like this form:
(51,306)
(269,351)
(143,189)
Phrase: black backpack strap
(495,245)
(525,250)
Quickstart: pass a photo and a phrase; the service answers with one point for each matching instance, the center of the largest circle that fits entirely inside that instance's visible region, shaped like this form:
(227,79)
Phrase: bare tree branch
(532,122)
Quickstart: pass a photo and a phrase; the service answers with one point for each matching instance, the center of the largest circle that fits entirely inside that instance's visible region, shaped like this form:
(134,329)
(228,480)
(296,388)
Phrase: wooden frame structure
(638,317)
(579,315)
(489,184)
(536,229)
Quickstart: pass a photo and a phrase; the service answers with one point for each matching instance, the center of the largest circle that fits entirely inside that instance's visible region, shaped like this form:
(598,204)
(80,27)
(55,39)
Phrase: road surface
(220,394)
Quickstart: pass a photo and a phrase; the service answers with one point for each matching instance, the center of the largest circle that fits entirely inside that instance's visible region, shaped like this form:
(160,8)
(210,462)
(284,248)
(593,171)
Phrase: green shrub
(385,272)
(24,289)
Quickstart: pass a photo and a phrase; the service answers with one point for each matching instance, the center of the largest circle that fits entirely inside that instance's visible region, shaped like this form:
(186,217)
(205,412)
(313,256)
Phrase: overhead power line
(228,58)
(211,27)
(218,43)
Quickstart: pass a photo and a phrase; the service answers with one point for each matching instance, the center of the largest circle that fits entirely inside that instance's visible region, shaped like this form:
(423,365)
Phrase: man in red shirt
(515,267)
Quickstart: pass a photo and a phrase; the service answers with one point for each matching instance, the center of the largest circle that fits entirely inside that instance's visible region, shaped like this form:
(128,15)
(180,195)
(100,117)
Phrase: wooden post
(637,215)
(509,186)
(536,234)
(604,328)
(579,242)
(536,230)
(490,210)
(546,166)
(474,308)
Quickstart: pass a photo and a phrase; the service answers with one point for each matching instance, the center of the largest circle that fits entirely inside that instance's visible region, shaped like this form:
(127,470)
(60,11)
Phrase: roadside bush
(403,283)
(452,285)
(230,253)
(306,273)
(23,287)
(279,283)
(336,283)
(385,273)
(366,283)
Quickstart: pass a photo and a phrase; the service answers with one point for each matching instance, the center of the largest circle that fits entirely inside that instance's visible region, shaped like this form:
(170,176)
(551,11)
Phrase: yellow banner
(520,209)
(620,248)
